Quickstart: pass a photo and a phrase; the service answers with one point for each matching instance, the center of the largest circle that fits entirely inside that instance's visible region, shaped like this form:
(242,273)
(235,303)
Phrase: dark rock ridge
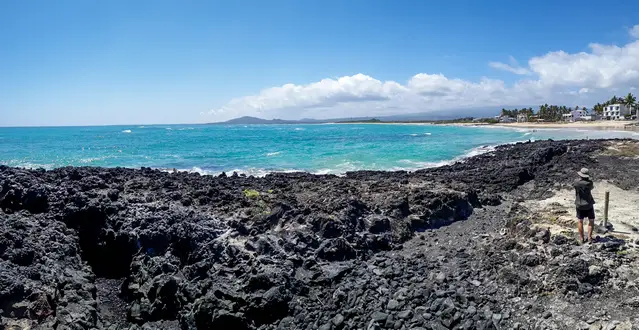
(86,248)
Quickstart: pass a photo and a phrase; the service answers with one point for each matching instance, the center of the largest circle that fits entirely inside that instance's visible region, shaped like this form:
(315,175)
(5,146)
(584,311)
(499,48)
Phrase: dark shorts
(583,214)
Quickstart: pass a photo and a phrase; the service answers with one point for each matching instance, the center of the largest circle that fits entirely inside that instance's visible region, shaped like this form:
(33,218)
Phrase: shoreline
(621,126)
(613,126)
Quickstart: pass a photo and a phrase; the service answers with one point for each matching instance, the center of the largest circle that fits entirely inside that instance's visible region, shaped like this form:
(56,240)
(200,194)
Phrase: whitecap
(193,169)
(196,169)
(522,130)
(256,172)
(428,133)
(169,128)
(127,131)
(27,165)
(274,153)
(299,129)
(412,165)
(478,151)
(92,159)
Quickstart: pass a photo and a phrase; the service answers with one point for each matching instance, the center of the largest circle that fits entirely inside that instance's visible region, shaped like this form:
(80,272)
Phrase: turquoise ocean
(259,149)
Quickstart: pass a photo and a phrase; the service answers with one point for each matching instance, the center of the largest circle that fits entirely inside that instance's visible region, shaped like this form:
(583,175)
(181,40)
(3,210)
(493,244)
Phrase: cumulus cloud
(556,77)
(322,94)
(634,31)
(604,67)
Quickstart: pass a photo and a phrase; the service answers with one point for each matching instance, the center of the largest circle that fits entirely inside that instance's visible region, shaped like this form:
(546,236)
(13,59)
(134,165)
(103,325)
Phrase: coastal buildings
(522,118)
(616,111)
(506,119)
(575,115)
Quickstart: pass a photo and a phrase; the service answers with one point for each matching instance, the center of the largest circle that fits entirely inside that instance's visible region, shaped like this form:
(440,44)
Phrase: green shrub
(251,193)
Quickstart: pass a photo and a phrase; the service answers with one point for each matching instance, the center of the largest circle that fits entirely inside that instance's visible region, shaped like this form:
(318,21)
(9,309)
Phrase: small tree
(615,100)
(630,101)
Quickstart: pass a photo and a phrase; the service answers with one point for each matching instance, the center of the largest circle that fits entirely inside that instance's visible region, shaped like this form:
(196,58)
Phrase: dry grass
(629,149)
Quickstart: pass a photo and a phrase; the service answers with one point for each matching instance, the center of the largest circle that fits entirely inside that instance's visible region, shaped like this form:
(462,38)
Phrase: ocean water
(259,149)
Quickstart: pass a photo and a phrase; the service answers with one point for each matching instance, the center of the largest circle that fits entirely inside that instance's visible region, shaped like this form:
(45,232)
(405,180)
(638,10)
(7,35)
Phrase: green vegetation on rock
(251,193)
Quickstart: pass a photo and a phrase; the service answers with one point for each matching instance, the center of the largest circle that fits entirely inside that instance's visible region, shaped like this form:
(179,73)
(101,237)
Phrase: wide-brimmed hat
(584,173)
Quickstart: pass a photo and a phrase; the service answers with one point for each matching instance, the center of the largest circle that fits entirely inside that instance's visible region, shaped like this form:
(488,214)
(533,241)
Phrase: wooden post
(606,200)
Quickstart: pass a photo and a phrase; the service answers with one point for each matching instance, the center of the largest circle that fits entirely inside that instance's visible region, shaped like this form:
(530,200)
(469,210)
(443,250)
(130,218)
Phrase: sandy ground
(602,124)
(558,212)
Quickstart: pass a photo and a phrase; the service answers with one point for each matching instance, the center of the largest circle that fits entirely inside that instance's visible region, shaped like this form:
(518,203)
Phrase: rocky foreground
(444,248)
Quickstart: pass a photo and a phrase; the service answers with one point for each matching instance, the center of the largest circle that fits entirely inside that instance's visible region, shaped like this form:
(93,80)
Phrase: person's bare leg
(591,223)
(580,228)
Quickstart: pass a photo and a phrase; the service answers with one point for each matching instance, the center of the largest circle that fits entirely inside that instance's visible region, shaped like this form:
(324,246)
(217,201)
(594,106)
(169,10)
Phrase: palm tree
(543,110)
(630,101)
(598,108)
(614,100)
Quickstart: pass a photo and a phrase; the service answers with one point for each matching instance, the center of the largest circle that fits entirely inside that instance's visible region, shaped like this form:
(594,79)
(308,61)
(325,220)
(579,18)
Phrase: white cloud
(604,67)
(322,94)
(634,31)
(507,67)
(556,77)
(513,67)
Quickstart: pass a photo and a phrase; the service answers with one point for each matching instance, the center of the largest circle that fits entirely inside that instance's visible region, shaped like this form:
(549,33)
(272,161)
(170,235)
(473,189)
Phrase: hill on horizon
(422,116)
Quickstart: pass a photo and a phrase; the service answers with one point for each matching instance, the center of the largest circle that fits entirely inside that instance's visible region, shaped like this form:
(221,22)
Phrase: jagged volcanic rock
(84,248)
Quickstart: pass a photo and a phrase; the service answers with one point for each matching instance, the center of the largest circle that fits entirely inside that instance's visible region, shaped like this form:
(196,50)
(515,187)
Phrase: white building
(506,119)
(522,118)
(575,115)
(616,111)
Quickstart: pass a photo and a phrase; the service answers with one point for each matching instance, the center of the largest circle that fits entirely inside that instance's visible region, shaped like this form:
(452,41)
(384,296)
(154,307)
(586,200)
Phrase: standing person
(584,203)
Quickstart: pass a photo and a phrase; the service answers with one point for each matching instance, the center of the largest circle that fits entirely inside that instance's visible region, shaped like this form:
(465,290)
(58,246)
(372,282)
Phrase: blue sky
(144,62)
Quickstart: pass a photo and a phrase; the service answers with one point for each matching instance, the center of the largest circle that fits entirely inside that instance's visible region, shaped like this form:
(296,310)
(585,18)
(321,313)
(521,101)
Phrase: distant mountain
(447,114)
(431,115)
(422,116)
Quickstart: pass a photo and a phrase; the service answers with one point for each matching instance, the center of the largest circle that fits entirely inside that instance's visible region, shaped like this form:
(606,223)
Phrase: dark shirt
(583,194)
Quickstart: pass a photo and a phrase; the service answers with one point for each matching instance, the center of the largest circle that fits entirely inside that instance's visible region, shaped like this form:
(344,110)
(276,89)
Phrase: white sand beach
(601,124)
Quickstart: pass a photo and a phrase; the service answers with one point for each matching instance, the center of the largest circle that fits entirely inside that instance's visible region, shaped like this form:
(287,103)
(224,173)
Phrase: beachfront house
(506,119)
(522,118)
(575,115)
(617,111)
